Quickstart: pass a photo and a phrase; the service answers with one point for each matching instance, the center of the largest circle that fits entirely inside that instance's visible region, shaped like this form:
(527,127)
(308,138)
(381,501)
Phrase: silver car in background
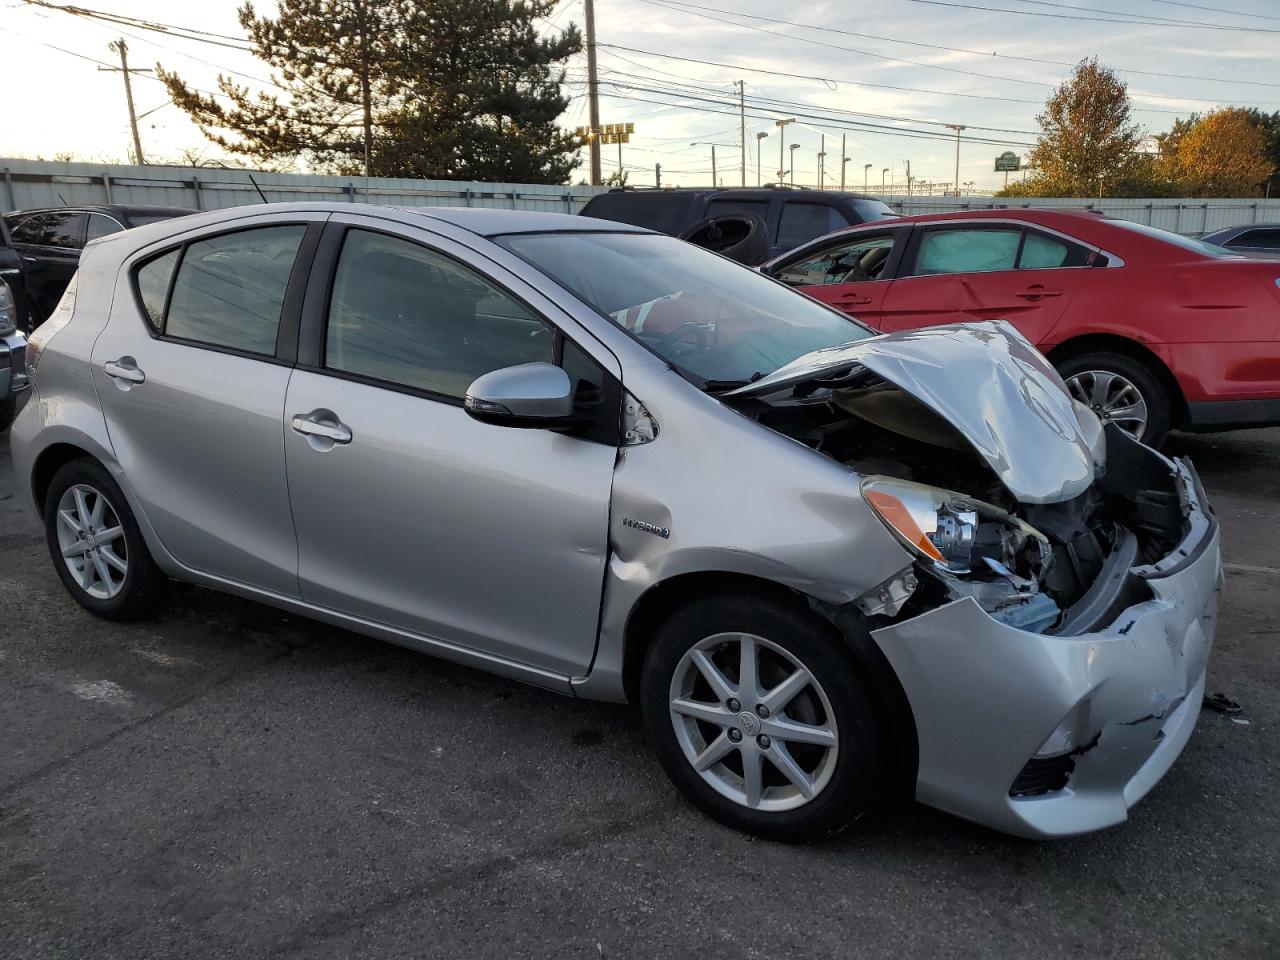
(830,567)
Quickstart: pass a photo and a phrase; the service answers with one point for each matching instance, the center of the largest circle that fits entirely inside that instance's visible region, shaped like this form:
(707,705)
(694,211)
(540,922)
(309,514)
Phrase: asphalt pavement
(228,781)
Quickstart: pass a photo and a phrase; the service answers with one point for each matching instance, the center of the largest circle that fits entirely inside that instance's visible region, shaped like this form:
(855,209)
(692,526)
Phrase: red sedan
(1150,329)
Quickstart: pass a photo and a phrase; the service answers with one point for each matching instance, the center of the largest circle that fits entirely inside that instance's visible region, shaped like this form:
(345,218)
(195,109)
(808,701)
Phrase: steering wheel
(679,333)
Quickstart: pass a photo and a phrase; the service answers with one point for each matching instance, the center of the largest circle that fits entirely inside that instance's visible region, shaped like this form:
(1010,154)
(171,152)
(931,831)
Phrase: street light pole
(742,128)
(794,148)
(782,144)
(759,148)
(882,173)
(866,167)
(957,127)
(844,161)
(822,159)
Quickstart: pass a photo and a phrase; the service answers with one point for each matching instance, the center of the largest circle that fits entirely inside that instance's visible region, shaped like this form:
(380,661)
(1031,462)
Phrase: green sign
(1008,162)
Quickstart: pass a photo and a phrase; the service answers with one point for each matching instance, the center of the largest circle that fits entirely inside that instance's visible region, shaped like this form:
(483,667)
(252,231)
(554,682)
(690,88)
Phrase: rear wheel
(757,714)
(1122,391)
(96,545)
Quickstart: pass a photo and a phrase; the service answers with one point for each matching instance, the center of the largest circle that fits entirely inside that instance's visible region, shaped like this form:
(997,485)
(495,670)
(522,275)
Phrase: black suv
(48,244)
(751,226)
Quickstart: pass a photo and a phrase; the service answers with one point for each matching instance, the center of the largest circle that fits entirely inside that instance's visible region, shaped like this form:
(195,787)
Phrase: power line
(691,9)
(1189,24)
(950,49)
(1197,6)
(694,84)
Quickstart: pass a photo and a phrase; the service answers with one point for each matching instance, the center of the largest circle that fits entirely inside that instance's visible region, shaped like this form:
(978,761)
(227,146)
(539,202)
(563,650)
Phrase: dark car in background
(750,226)
(48,244)
(1250,239)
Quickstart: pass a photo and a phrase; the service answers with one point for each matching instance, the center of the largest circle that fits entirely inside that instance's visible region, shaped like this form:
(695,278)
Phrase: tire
(739,236)
(845,779)
(1085,376)
(8,410)
(85,490)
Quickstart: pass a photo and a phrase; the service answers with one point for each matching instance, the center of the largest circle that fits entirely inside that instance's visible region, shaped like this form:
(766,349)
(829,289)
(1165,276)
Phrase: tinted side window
(861,259)
(230,289)
(801,222)
(101,226)
(153,286)
(1254,239)
(967,251)
(718,208)
(1041,252)
(51,230)
(407,315)
(664,212)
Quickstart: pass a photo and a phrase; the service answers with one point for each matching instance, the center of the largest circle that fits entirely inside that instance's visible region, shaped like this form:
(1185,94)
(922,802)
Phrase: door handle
(852,300)
(126,368)
(1035,292)
(323,425)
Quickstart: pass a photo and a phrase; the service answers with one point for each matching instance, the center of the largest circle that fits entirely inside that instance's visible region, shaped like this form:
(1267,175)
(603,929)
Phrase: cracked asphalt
(227,781)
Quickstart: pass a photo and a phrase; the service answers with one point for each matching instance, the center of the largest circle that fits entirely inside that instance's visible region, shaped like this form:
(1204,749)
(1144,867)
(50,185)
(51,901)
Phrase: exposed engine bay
(1058,568)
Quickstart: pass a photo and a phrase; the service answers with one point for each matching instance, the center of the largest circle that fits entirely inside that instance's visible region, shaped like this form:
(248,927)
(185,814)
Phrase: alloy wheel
(92,541)
(1114,398)
(753,722)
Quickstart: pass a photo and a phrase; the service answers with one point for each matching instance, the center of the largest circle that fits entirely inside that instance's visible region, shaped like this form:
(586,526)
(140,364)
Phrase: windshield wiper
(719,386)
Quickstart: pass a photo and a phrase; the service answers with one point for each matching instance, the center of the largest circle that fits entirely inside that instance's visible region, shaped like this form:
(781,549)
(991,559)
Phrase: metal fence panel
(42,183)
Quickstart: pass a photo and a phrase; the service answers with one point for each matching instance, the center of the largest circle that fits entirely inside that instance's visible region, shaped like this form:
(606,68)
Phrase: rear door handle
(1035,292)
(322,424)
(126,368)
(852,300)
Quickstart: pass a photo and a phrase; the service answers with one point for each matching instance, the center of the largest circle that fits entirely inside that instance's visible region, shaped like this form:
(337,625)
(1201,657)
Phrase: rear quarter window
(664,212)
(152,283)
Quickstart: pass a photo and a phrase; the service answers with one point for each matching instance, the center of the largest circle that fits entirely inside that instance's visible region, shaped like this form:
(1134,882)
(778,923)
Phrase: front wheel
(757,715)
(1122,391)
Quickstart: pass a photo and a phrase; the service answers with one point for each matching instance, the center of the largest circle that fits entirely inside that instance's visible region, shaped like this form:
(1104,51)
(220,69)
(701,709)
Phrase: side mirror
(526,395)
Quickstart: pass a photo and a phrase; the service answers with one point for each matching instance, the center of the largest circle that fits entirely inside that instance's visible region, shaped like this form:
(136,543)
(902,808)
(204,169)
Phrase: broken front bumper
(987,696)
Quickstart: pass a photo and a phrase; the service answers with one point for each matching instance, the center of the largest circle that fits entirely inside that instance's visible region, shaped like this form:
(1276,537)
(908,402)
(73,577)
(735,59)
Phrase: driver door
(852,273)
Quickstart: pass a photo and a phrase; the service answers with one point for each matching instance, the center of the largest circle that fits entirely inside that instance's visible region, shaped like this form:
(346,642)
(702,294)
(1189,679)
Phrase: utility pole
(908,179)
(119,46)
(844,161)
(782,145)
(593,92)
(714,182)
(957,127)
(742,128)
(822,158)
(657,169)
(759,150)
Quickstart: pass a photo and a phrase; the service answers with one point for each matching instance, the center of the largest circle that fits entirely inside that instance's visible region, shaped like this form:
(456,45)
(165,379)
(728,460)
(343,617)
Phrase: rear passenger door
(954,273)
(409,512)
(191,372)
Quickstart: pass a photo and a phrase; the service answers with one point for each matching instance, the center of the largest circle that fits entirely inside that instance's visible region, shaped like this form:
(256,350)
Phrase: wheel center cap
(90,541)
(749,723)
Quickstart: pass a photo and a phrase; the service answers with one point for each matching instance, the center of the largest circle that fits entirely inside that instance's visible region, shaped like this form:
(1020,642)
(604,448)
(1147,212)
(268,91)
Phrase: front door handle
(852,300)
(322,424)
(124,369)
(1035,292)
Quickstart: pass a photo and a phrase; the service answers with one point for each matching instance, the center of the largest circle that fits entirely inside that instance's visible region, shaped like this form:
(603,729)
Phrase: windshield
(721,322)
(1177,239)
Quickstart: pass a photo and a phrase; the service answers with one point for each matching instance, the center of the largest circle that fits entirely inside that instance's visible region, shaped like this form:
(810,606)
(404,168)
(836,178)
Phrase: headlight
(953,530)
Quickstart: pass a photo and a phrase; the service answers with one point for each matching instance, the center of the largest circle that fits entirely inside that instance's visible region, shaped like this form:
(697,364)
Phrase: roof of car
(1238,227)
(117,209)
(743,193)
(492,222)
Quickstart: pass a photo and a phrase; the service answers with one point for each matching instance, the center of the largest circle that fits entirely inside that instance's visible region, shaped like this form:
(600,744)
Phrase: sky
(887,76)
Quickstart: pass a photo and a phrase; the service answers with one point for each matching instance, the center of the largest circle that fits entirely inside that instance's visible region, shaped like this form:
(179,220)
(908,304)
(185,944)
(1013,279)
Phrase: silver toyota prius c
(831,568)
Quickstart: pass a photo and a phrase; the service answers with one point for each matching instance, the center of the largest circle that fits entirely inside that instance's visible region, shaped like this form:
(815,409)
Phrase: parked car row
(830,565)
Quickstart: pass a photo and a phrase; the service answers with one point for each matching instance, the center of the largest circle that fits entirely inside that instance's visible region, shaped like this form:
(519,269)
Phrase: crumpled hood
(989,383)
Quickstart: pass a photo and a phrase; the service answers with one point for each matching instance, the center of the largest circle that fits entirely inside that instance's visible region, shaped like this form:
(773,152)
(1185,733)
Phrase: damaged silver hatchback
(831,568)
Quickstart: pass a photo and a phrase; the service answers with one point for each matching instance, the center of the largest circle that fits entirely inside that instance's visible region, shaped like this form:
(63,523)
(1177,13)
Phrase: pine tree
(333,62)
(483,104)
(447,89)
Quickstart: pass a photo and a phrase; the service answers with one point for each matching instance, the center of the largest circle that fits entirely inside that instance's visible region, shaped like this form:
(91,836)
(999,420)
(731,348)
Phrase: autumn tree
(450,89)
(1089,140)
(1222,154)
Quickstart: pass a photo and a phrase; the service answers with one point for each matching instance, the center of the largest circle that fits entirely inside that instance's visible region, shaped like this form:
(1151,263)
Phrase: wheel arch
(662,599)
(48,462)
(1115,343)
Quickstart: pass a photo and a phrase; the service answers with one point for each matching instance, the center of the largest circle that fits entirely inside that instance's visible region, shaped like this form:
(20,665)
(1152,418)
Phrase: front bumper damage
(986,696)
